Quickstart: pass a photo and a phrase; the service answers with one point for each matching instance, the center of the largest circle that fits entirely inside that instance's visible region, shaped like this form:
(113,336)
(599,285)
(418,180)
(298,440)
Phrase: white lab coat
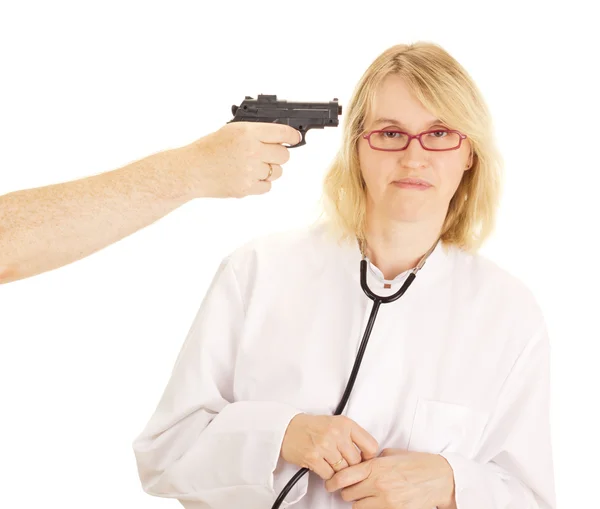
(458,366)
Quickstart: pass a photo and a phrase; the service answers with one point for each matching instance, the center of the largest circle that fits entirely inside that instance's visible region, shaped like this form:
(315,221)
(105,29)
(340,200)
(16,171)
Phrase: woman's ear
(470,163)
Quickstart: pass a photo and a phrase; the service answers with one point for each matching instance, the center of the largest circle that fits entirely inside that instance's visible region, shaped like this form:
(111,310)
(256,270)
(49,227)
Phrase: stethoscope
(377,301)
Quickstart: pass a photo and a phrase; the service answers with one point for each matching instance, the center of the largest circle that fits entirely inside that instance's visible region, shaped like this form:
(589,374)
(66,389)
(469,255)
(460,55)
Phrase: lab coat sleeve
(514,466)
(200,446)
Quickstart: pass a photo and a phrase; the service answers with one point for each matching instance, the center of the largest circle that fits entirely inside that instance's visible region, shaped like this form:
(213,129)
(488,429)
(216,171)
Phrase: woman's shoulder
(486,279)
(483,269)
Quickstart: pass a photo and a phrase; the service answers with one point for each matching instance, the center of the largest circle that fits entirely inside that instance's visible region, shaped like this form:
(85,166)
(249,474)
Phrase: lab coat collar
(437,263)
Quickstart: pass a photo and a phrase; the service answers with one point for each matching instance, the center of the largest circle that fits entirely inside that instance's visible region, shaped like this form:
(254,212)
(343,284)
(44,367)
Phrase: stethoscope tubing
(377,301)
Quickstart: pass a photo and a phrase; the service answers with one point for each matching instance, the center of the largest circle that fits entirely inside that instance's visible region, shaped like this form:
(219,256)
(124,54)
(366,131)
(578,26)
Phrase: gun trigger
(302,141)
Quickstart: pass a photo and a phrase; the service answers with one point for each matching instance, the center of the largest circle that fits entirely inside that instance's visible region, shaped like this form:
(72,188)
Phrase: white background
(86,350)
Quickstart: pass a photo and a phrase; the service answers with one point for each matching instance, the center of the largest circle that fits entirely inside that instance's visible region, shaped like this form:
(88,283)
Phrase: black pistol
(300,115)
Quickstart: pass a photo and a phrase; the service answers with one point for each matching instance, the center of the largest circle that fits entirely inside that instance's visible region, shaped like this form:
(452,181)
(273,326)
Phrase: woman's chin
(403,209)
(407,212)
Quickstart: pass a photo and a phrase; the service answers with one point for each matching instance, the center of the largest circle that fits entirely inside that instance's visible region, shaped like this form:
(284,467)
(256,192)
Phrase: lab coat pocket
(446,427)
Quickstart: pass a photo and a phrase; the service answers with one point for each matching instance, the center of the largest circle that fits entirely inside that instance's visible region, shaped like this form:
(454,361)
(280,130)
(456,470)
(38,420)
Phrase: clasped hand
(397,479)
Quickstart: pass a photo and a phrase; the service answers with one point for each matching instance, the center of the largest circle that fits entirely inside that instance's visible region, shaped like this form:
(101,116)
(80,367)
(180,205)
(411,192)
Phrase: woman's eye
(438,134)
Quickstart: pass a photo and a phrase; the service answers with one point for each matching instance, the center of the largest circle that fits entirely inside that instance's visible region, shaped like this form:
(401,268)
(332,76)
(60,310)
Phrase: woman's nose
(414,155)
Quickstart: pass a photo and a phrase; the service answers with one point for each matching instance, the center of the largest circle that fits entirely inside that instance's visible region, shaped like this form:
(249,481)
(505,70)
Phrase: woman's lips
(411,184)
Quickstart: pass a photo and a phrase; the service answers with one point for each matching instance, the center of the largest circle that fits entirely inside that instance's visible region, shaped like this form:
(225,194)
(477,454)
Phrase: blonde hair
(447,91)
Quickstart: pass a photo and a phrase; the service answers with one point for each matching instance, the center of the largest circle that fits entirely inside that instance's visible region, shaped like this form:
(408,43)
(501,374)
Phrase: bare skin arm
(48,227)
(44,228)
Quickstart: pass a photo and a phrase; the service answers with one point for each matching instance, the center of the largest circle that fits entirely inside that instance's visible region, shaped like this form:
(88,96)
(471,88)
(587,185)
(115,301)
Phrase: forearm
(231,459)
(45,228)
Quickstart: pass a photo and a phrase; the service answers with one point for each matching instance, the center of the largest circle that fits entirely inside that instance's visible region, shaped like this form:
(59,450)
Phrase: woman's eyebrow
(386,120)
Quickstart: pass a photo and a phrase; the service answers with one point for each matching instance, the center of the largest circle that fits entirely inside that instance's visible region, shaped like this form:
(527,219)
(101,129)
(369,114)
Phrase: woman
(451,404)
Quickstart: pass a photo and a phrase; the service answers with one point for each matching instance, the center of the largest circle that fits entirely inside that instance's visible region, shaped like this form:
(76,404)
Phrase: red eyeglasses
(437,140)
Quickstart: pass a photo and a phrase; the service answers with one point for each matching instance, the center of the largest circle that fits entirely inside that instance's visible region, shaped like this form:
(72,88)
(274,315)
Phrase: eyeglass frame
(417,136)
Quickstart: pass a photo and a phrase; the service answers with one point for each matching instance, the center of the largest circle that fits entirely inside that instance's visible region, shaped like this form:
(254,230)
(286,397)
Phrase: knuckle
(249,152)
(342,420)
(247,182)
(355,458)
(350,426)
(312,456)
(249,171)
(284,130)
(380,483)
(325,443)
(389,499)
(334,431)
(251,148)
(345,495)
(237,129)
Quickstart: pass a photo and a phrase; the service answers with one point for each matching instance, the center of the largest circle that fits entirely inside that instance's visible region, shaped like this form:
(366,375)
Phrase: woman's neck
(395,247)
